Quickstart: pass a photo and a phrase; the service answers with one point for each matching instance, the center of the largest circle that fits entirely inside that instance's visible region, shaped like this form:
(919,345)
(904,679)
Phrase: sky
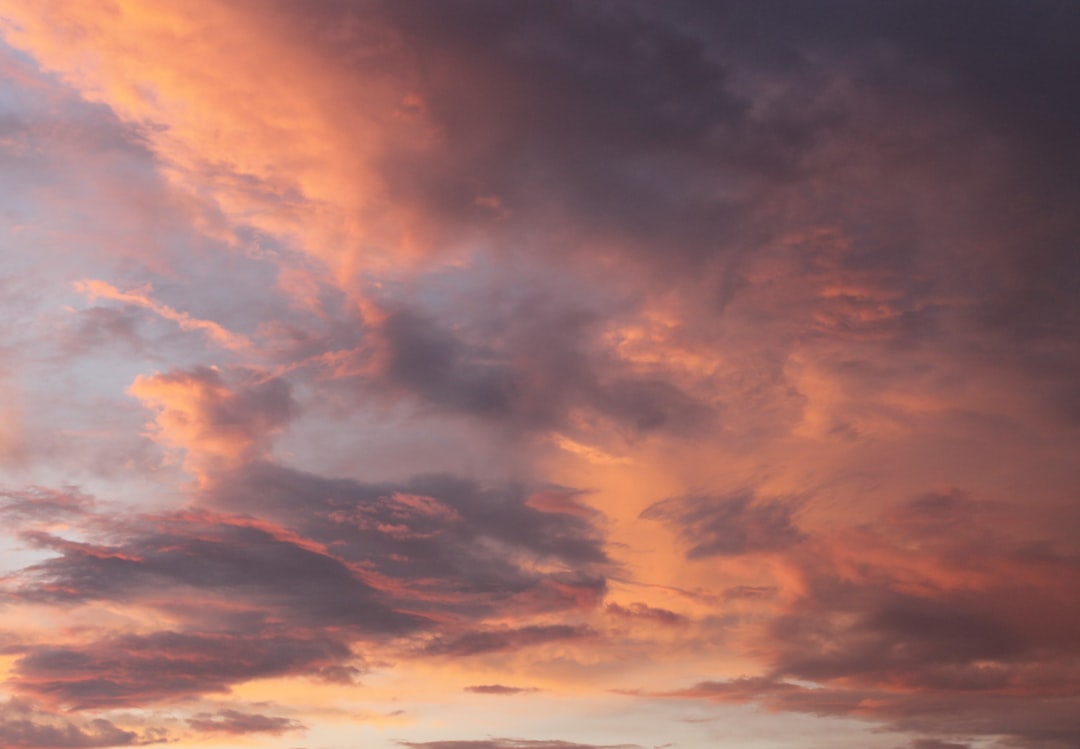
(537,374)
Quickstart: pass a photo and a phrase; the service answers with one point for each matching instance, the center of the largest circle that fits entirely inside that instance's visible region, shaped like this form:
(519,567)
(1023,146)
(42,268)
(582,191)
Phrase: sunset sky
(537,374)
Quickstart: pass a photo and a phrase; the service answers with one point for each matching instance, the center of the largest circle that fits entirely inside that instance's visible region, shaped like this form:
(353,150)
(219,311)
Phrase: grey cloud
(924,650)
(477,542)
(649,613)
(325,563)
(34,504)
(220,562)
(500,85)
(951,516)
(95,329)
(500,743)
(25,726)
(530,372)
(131,670)
(481,642)
(889,636)
(728,525)
(690,135)
(687,139)
(432,363)
(1027,722)
(235,722)
(937,744)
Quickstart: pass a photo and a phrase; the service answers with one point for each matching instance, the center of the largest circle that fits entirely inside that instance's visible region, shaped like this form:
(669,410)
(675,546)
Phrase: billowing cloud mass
(465,374)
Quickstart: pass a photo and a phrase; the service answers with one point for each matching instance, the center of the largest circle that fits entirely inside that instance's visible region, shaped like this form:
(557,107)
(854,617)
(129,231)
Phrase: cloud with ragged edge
(967,638)
(236,722)
(22,725)
(217,425)
(253,599)
(728,525)
(278,572)
(495,641)
(457,309)
(517,385)
(510,744)
(642,611)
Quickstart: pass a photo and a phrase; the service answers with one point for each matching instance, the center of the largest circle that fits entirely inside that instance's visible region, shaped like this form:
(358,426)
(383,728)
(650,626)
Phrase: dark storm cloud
(481,642)
(234,722)
(132,670)
(728,525)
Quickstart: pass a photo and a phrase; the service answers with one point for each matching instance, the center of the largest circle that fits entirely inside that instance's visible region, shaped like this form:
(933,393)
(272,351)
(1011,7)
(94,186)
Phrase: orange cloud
(242,114)
(218,427)
(141,297)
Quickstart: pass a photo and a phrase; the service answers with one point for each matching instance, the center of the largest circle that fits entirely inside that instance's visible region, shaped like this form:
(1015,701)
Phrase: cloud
(935,642)
(329,564)
(499,689)
(132,670)
(234,722)
(1036,721)
(937,744)
(642,611)
(41,504)
(24,726)
(543,364)
(481,642)
(216,423)
(826,252)
(226,563)
(510,744)
(749,591)
(728,525)
(95,289)
(440,541)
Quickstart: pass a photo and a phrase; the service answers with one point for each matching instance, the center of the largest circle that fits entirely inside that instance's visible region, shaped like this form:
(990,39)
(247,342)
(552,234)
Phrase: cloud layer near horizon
(539,375)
